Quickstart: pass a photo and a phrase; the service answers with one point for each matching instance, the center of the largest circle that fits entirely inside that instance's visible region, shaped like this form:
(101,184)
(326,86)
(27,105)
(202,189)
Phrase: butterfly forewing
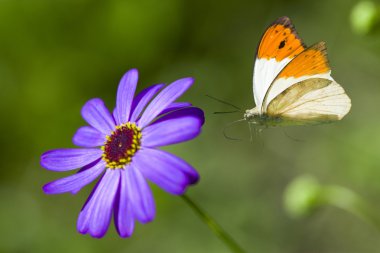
(279,45)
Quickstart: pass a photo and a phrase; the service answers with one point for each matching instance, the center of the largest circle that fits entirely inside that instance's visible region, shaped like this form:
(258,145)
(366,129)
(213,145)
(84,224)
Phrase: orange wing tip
(312,61)
(280,41)
(286,22)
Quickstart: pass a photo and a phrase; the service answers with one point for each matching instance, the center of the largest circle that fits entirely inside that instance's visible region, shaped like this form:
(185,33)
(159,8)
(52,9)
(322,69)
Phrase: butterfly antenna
(292,138)
(228,126)
(225,102)
(226,112)
(250,131)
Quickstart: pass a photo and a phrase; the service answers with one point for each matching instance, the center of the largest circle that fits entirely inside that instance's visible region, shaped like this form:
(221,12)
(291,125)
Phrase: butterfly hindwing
(312,101)
(286,100)
(279,45)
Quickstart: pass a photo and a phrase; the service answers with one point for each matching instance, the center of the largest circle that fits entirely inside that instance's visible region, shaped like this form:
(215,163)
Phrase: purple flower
(121,149)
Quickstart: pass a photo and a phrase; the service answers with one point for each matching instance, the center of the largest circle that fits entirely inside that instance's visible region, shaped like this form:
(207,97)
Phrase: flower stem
(351,202)
(214,226)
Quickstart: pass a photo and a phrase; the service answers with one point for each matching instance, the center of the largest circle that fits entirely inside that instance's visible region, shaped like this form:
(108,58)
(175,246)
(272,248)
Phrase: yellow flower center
(121,145)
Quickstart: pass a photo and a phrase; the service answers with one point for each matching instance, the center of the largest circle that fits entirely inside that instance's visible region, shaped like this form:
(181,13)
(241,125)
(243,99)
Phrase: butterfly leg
(250,131)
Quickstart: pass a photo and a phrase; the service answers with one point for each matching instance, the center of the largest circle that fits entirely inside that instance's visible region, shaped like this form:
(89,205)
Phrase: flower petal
(164,99)
(142,99)
(76,181)
(88,166)
(97,115)
(88,137)
(175,106)
(96,215)
(139,195)
(124,220)
(178,126)
(69,159)
(125,93)
(166,170)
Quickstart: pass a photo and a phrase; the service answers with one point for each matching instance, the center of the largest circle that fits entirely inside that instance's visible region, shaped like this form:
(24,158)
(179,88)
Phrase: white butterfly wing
(328,103)
(314,100)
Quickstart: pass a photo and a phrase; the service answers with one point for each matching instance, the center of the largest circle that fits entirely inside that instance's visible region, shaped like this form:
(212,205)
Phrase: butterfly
(292,83)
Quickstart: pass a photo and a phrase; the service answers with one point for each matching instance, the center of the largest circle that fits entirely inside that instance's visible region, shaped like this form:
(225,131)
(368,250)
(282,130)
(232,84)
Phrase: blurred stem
(351,202)
(214,226)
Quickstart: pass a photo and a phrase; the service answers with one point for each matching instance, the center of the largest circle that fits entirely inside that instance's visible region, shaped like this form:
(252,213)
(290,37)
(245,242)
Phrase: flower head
(121,149)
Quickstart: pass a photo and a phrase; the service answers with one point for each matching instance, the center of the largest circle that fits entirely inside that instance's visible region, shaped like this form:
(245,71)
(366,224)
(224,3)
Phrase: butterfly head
(252,114)
(255,117)
(258,119)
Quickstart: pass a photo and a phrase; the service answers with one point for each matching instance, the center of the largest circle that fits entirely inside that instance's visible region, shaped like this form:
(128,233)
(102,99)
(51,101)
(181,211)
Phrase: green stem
(213,226)
(351,202)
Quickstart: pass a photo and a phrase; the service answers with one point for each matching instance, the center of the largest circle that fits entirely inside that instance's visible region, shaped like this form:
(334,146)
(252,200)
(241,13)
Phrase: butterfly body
(292,83)
(262,120)
(266,121)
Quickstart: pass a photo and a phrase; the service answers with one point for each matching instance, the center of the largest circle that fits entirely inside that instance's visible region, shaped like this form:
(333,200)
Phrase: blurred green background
(55,55)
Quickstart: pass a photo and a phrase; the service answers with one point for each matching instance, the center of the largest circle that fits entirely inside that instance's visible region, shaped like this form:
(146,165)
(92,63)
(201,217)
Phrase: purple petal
(142,99)
(88,137)
(164,99)
(175,106)
(139,195)
(125,93)
(95,216)
(76,181)
(88,166)
(69,159)
(124,220)
(166,170)
(97,115)
(114,112)
(178,126)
